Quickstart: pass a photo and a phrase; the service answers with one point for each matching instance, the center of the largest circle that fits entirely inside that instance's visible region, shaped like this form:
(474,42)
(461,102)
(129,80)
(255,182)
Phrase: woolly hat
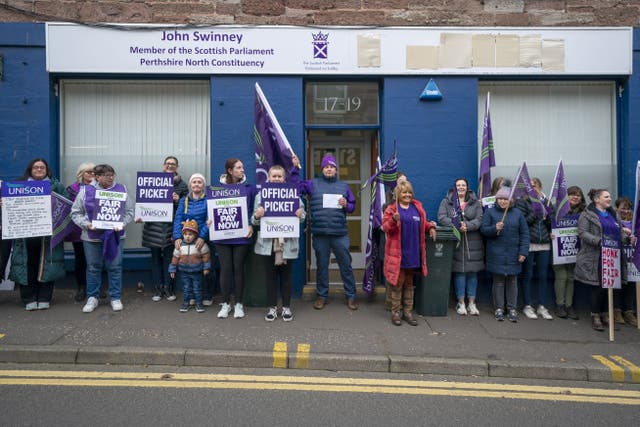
(503,193)
(327,160)
(190,225)
(197,175)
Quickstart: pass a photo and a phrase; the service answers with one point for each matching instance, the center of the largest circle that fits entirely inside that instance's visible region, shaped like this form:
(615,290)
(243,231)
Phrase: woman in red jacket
(405,224)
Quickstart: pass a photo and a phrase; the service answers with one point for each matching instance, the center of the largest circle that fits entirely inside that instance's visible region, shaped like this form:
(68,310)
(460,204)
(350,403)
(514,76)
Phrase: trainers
(238,311)
(192,302)
(207,302)
(272,314)
(31,306)
(224,311)
(91,305)
(184,307)
(43,305)
(472,309)
(171,296)
(287,315)
(461,309)
(571,313)
(199,308)
(140,287)
(544,313)
(499,315)
(116,305)
(512,316)
(528,311)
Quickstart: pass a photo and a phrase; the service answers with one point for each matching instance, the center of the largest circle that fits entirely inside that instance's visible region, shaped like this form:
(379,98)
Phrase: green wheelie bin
(431,297)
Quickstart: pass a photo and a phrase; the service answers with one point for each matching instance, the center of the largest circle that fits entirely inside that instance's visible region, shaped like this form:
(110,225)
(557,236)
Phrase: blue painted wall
(25,100)
(630,125)
(232,100)
(437,140)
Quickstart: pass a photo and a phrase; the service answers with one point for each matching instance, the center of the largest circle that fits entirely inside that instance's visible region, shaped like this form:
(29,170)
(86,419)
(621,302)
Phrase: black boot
(561,311)
(169,292)
(81,293)
(159,292)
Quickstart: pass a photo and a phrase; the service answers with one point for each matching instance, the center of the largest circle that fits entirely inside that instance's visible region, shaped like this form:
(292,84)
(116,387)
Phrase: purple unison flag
(522,188)
(457,214)
(60,219)
(271,144)
(388,172)
(636,219)
(487,156)
(559,195)
(372,259)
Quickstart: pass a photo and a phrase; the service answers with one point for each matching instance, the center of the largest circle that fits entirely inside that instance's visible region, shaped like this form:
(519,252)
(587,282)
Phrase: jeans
(191,286)
(95,262)
(500,282)
(541,260)
(160,260)
(323,245)
(563,284)
(468,281)
(232,269)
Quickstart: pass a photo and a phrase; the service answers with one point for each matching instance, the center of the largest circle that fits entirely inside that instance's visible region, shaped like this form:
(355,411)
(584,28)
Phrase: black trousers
(232,269)
(34,290)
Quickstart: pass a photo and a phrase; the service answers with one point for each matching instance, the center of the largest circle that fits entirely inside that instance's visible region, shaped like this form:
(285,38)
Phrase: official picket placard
(610,266)
(154,196)
(227,210)
(280,203)
(110,209)
(26,209)
(566,244)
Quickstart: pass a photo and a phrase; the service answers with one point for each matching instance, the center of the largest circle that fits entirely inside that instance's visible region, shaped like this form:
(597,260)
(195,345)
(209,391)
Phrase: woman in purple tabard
(102,247)
(84,176)
(597,222)
(233,252)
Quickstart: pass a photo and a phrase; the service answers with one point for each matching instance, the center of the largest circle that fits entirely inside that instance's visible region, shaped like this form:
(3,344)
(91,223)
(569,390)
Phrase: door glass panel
(331,103)
(355,236)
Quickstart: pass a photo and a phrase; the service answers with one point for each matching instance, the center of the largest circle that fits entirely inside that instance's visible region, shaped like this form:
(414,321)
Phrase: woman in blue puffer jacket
(507,240)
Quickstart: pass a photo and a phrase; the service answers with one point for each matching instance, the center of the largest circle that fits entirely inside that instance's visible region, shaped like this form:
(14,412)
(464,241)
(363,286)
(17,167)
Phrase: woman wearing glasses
(157,237)
(34,266)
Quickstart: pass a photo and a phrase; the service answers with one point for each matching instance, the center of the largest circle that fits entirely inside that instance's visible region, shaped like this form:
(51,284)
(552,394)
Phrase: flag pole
(611,319)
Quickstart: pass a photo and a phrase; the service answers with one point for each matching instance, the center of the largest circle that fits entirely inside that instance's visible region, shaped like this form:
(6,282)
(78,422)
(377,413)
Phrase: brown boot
(630,318)
(319,304)
(352,304)
(596,323)
(605,321)
(617,316)
(408,317)
(395,318)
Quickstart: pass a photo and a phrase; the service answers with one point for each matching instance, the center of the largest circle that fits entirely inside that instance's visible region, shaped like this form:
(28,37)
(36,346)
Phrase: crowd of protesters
(507,242)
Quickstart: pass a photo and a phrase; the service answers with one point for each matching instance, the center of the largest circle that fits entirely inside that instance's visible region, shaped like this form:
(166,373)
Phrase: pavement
(335,339)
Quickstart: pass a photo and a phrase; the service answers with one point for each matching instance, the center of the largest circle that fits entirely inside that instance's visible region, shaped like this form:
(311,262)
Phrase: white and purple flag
(559,196)
(487,156)
(522,187)
(271,144)
(635,229)
(372,258)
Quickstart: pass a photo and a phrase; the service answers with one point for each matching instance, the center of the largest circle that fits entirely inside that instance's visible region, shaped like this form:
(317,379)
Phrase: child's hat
(190,225)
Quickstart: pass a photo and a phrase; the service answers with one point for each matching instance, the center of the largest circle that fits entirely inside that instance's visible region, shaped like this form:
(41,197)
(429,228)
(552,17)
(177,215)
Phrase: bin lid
(445,233)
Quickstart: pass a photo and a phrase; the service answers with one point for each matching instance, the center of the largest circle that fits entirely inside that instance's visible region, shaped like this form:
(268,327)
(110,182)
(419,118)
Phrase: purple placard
(26,209)
(110,207)
(279,199)
(228,210)
(566,243)
(154,187)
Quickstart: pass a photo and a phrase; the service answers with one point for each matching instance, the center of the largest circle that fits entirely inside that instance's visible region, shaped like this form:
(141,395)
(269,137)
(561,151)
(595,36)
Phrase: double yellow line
(280,355)
(618,369)
(318,384)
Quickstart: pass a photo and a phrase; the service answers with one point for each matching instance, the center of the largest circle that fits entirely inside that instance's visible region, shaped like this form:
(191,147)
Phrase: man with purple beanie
(330,200)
